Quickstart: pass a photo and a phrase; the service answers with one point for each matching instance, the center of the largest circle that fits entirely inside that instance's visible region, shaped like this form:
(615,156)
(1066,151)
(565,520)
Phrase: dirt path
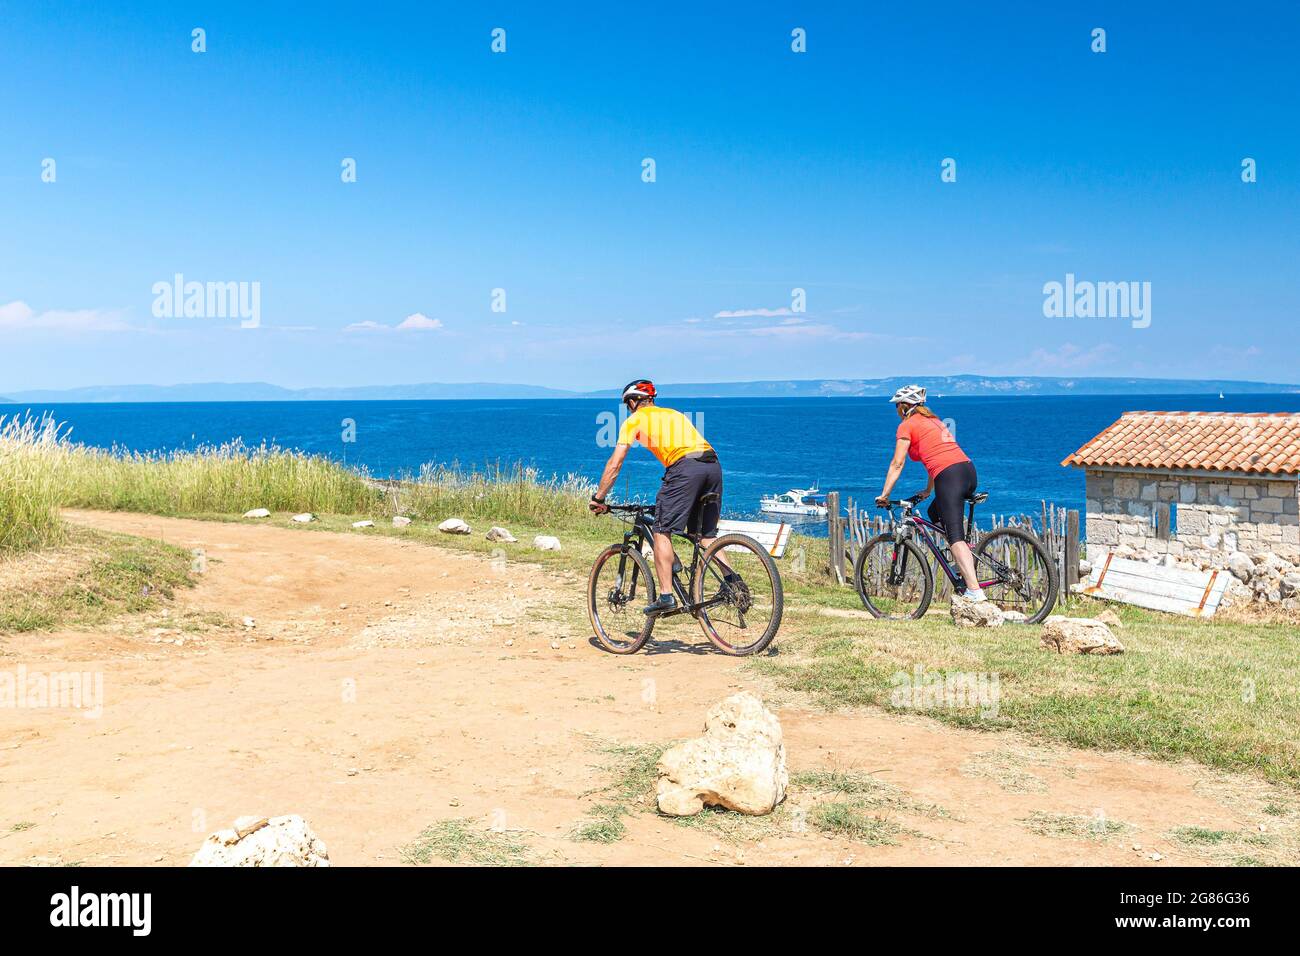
(407,707)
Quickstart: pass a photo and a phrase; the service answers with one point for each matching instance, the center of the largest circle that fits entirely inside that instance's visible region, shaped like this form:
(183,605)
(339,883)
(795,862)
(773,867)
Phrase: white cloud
(415,322)
(18,316)
(752,313)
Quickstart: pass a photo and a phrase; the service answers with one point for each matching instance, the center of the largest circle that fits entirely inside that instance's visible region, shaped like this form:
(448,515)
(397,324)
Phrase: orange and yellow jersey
(668,434)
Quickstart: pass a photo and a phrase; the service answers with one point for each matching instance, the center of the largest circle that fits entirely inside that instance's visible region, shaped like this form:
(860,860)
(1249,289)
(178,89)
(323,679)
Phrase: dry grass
(93,577)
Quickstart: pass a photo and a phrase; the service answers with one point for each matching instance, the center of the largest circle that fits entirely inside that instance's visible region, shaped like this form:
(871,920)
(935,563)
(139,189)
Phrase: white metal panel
(1194,593)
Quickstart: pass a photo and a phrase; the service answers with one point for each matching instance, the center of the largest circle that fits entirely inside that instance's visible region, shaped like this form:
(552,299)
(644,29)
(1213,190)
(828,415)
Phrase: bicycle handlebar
(906,503)
(630,509)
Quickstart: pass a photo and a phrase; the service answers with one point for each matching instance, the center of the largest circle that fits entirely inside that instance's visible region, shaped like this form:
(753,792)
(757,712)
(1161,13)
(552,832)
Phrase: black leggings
(952,487)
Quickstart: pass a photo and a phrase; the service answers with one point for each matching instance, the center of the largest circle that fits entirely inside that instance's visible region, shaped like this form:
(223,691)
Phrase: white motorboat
(797,501)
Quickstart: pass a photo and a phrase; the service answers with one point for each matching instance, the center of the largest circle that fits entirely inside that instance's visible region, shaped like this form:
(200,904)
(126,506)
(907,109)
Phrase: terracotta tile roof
(1210,441)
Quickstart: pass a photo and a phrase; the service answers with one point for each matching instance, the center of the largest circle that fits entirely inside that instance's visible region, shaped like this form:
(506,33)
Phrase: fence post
(835,530)
(1162,521)
(1071,553)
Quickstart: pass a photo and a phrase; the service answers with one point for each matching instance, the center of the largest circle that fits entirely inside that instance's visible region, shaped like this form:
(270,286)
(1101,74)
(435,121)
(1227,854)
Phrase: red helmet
(639,388)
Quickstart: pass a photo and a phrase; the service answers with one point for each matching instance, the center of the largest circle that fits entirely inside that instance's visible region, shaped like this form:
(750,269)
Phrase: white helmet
(910,395)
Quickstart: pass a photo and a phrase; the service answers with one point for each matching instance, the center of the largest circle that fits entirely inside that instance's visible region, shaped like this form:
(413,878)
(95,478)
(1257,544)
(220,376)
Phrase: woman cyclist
(923,437)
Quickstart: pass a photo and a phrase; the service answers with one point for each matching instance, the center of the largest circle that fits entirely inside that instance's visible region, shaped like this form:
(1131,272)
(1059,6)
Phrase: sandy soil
(407,706)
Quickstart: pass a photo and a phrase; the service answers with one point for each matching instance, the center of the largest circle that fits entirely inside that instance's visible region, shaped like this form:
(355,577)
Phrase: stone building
(1198,487)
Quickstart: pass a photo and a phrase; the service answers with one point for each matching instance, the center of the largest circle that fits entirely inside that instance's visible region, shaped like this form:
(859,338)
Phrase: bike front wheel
(619,586)
(739,616)
(893,578)
(1023,573)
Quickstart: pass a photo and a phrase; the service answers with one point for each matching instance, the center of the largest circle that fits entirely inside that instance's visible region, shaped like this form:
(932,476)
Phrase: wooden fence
(1056,527)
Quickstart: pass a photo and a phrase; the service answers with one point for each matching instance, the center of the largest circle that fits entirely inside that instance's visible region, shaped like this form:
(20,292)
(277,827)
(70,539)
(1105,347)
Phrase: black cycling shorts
(952,487)
(683,484)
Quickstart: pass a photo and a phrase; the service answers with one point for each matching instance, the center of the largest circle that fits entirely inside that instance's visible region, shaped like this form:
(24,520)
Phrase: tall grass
(228,478)
(42,469)
(30,449)
(502,493)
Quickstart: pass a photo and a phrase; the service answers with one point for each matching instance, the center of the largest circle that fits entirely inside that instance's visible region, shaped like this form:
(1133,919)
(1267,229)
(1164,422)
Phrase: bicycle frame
(641,532)
(917,527)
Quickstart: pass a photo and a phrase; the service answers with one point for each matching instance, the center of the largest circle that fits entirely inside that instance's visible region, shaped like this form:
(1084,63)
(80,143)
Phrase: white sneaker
(975,596)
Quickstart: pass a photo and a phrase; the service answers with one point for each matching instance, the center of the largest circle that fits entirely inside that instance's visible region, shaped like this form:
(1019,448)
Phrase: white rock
(545,542)
(968,613)
(363,524)
(1015,617)
(400,521)
(303,518)
(1241,566)
(454,526)
(738,764)
(1289,586)
(500,534)
(249,622)
(1085,569)
(257,513)
(1109,618)
(254,841)
(1078,635)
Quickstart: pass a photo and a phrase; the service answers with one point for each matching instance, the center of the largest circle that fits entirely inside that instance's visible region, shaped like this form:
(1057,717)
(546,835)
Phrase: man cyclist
(691,470)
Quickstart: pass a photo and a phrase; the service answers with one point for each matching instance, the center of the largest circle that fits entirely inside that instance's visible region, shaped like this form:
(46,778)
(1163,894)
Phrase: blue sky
(522,171)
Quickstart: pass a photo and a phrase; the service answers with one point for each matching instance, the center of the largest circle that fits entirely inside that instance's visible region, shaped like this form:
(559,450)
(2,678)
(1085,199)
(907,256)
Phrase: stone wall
(1215,517)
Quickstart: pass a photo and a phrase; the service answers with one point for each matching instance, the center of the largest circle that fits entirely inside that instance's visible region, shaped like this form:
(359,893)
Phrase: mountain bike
(894,579)
(739,617)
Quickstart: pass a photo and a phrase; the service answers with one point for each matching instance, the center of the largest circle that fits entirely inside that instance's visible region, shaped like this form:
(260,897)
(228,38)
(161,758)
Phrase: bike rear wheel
(619,586)
(739,618)
(1025,575)
(893,578)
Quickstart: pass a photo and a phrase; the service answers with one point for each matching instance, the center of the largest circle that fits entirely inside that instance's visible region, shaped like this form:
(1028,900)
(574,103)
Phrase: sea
(766,445)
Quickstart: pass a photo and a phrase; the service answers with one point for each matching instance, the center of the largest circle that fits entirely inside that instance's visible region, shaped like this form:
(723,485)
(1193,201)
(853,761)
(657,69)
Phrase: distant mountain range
(939,386)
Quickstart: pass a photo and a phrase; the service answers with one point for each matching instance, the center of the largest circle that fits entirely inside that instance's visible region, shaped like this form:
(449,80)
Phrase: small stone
(1078,635)
(400,521)
(363,524)
(250,623)
(303,518)
(555,645)
(454,526)
(546,542)
(968,613)
(257,513)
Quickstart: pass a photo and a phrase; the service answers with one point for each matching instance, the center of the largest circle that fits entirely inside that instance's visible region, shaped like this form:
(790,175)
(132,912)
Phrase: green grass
(852,820)
(464,841)
(29,490)
(1075,826)
(1219,692)
(866,791)
(94,577)
(605,826)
